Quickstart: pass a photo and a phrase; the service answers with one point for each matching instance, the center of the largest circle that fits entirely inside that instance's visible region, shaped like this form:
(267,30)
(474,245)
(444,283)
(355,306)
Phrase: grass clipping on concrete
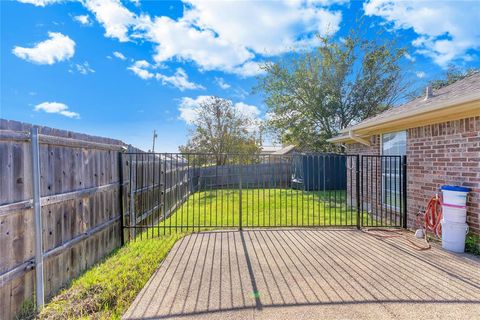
(107,289)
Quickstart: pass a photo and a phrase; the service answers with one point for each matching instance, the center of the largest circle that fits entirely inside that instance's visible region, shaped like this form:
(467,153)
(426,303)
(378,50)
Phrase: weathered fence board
(80,200)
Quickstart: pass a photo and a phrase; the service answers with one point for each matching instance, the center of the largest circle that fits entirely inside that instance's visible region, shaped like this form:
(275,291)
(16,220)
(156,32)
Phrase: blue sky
(123,68)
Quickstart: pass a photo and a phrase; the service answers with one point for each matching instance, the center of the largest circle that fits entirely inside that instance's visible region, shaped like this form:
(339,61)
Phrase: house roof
(277,150)
(285,150)
(459,99)
(270,149)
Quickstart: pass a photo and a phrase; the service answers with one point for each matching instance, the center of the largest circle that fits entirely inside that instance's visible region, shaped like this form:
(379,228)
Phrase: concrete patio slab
(308,274)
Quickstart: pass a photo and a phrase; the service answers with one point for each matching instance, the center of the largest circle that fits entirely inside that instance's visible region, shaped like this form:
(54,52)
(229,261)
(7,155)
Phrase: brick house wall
(372,149)
(438,154)
(444,153)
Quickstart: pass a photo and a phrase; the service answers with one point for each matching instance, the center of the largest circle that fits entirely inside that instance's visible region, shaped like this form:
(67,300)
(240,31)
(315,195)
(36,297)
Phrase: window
(393,144)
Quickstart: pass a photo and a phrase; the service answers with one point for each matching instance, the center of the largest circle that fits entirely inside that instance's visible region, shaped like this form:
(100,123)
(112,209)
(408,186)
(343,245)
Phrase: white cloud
(178,80)
(273,27)
(57,48)
(446,29)
(409,57)
(248,110)
(140,69)
(420,74)
(188,109)
(40,3)
(115,18)
(178,40)
(328,2)
(119,55)
(221,83)
(143,64)
(240,93)
(56,107)
(84,68)
(83,19)
(248,69)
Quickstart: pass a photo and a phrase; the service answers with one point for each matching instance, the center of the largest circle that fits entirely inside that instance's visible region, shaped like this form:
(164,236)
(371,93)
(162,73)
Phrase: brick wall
(444,153)
(372,149)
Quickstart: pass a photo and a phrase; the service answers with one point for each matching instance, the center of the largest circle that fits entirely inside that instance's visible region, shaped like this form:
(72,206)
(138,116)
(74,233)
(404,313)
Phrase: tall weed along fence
(59,209)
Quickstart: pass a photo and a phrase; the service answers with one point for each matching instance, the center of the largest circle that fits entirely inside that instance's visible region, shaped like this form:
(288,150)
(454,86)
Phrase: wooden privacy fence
(78,201)
(260,175)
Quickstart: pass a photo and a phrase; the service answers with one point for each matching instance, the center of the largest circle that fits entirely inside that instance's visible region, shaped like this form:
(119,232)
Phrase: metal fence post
(133,176)
(358,182)
(404,177)
(240,198)
(39,289)
(120,178)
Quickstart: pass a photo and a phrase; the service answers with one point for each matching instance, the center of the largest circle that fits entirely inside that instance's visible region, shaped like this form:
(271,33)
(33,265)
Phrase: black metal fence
(173,192)
(383,193)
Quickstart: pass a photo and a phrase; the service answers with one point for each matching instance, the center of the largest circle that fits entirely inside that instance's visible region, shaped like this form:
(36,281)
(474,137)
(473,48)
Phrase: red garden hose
(433,216)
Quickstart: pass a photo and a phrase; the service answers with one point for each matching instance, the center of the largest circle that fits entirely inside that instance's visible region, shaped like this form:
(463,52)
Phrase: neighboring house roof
(270,149)
(285,150)
(458,100)
(277,150)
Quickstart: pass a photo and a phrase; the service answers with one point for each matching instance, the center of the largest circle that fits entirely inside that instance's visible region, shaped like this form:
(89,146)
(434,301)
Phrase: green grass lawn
(216,209)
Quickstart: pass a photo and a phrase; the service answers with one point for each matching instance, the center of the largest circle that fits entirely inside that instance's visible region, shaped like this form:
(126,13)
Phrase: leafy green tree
(218,129)
(449,76)
(453,74)
(310,97)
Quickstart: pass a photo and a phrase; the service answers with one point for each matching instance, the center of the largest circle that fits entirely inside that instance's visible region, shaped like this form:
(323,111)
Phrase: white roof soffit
(358,139)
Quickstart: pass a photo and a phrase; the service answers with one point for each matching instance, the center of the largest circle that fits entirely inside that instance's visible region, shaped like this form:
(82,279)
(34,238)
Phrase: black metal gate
(383,195)
(172,192)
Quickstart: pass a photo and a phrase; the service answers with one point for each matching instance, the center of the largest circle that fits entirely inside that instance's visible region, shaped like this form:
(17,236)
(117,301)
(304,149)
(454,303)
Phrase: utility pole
(154,137)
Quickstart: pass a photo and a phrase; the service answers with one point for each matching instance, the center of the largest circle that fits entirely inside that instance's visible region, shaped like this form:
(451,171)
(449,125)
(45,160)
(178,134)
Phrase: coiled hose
(433,216)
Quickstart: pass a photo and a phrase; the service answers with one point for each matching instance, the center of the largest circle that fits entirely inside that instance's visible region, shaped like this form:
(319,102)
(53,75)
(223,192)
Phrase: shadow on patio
(234,274)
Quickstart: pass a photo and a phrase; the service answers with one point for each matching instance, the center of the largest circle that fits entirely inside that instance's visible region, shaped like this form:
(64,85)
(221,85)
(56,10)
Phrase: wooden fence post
(39,289)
